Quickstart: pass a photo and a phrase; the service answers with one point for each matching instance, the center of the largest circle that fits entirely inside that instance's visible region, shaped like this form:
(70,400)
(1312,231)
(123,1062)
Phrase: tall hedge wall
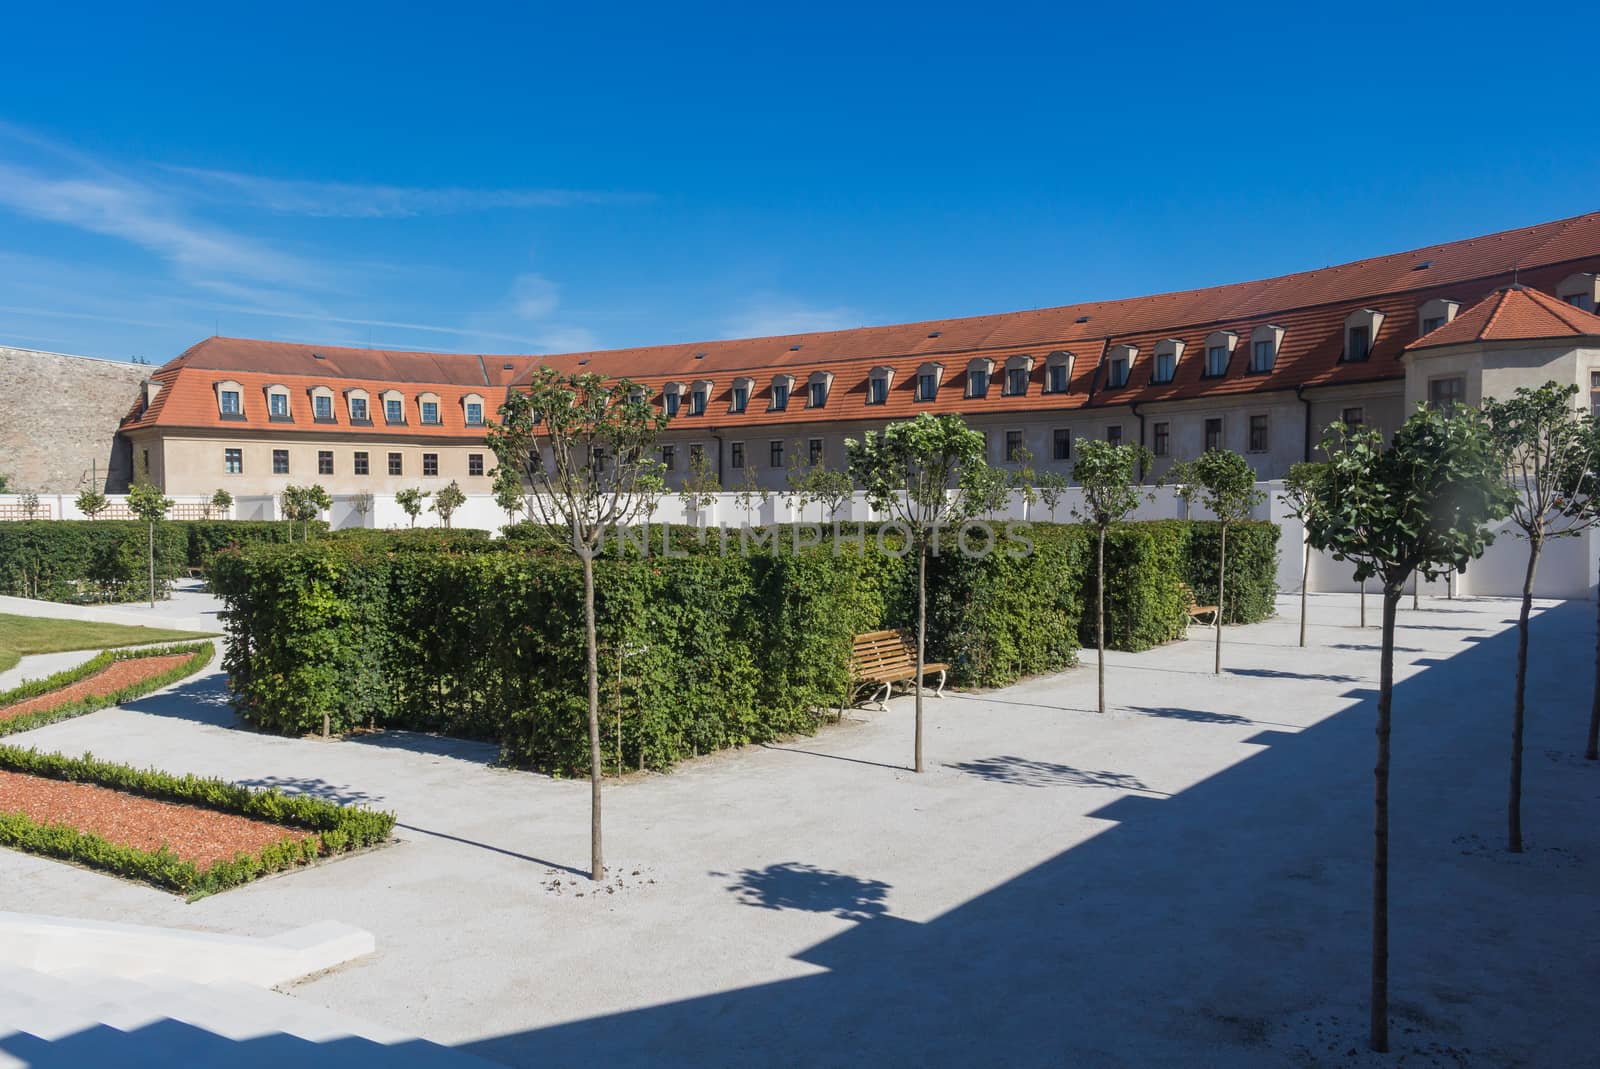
(106,560)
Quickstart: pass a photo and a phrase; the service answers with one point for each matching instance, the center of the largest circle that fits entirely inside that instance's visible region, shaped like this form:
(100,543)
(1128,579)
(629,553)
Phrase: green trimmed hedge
(200,653)
(107,560)
(337,828)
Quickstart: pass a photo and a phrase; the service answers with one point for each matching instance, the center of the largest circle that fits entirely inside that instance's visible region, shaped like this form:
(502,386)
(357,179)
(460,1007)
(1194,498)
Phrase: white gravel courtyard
(1184,881)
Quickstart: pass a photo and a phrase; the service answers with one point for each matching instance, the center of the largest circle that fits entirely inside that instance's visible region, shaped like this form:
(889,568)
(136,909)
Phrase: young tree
(1547,448)
(831,489)
(751,494)
(150,505)
(700,485)
(600,436)
(507,487)
(1052,489)
(1300,491)
(1223,482)
(30,504)
(410,501)
(1421,505)
(222,501)
(928,473)
(304,504)
(1109,475)
(446,501)
(362,504)
(797,478)
(1023,481)
(92,503)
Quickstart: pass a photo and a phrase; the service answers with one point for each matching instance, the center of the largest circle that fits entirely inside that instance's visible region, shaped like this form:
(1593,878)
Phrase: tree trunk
(1363,603)
(1100,631)
(596,864)
(1305,579)
(1222,586)
(152,564)
(1379,1038)
(922,638)
(1519,706)
(325,725)
(1592,753)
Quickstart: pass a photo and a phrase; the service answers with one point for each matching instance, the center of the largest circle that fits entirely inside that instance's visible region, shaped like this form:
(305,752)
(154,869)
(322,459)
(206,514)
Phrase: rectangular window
(1446,394)
(1016,381)
(741,398)
(877,390)
(393,411)
(1216,361)
(814,450)
(736,454)
(697,403)
(1353,417)
(1213,438)
(362,465)
(1114,434)
(1058,378)
(819,395)
(673,400)
(1013,444)
(278,405)
(1432,323)
(280,462)
(697,455)
(430,411)
(1166,367)
(927,386)
(322,408)
(1359,344)
(474,463)
(669,457)
(775,454)
(1117,373)
(324,462)
(977,383)
(230,403)
(1262,356)
(430,463)
(358,410)
(780,396)
(1594,394)
(1163,439)
(233,461)
(396,467)
(474,414)
(1258,434)
(1061,444)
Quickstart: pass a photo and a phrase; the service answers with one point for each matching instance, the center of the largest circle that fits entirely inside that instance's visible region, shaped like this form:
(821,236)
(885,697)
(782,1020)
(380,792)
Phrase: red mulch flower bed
(201,836)
(108,680)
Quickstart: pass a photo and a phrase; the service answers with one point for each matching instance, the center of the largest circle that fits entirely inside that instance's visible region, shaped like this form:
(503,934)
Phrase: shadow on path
(1025,773)
(796,885)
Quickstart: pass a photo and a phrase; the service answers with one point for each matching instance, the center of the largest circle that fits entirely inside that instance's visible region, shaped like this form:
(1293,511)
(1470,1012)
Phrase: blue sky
(527,179)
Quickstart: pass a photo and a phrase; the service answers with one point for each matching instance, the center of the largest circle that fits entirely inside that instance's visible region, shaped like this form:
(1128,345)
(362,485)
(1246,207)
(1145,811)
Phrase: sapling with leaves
(150,505)
(410,501)
(1300,493)
(1108,475)
(928,473)
(1052,490)
(797,478)
(1421,505)
(1547,447)
(447,501)
(221,502)
(700,485)
(92,503)
(751,495)
(30,504)
(1222,482)
(1023,481)
(830,488)
(586,444)
(507,488)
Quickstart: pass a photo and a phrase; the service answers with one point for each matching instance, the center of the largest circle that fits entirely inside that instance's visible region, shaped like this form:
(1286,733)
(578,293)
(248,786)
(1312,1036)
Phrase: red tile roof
(1310,306)
(1515,313)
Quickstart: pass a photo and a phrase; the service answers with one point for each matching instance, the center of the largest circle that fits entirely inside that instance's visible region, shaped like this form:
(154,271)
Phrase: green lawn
(21,635)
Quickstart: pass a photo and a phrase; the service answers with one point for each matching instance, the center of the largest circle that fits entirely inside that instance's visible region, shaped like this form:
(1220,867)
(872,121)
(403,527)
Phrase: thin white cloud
(533,296)
(770,314)
(353,200)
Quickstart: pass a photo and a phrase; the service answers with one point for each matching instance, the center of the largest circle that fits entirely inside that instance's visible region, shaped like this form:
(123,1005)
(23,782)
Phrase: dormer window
(428,405)
(699,397)
(817,389)
(1264,341)
(1581,290)
(1360,331)
(228,401)
(740,399)
(978,372)
(394,411)
(472,410)
(878,385)
(1119,363)
(1058,373)
(672,398)
(359,411)
(1219,350)
(278,405)
(1435,313)
(780,392)
(1018,370)
(928,376)
(322,407)
(1164,362)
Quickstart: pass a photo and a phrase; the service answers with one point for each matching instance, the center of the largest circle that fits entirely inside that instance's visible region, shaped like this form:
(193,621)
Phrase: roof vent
(318,356)
(934,333)
(1422,265)
(794,348)
(1083,319)
(507,367)
(699,356)
(582,362)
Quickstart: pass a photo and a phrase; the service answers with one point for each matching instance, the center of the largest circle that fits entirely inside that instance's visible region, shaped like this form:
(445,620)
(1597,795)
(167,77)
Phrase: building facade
(1261,367)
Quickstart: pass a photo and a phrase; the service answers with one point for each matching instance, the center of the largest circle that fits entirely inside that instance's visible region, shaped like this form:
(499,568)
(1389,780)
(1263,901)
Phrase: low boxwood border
(338,829)
(201,654)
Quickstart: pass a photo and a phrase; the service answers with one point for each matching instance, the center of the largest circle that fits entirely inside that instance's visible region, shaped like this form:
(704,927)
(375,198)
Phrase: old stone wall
(59,417)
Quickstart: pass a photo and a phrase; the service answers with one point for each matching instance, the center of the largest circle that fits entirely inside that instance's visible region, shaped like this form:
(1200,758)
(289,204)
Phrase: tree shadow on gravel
(1198,716)
(1022,772)
(314,788)
(204,699)
(798,886)
(1277,673)
(475,751)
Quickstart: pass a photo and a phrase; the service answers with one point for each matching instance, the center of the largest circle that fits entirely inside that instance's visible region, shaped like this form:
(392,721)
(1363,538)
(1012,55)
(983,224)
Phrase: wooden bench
(880,659)
(1196,610)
